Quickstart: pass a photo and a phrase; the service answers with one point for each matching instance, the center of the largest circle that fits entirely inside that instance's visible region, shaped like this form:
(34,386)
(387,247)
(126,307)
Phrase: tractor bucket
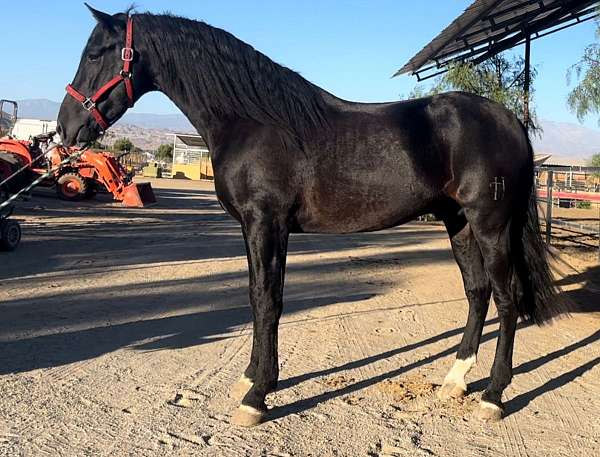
(138,195)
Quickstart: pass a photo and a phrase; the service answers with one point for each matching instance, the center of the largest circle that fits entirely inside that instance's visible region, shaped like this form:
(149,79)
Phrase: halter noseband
(90,103)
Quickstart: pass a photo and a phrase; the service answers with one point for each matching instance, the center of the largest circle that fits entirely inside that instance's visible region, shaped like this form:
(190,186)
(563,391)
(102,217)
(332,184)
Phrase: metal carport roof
(488,27)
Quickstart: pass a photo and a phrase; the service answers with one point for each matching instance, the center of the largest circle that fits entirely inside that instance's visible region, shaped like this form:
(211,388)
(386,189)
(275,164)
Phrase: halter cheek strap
(90,103)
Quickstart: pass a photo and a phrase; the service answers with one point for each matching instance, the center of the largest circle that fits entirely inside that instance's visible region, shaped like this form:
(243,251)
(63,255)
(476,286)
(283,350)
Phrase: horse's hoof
(450,390)
(247,416)
(240,388)
(488,412)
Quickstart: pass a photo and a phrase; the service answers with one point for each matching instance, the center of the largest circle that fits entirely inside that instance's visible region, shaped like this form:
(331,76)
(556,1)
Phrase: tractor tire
(71,187)
(10,235)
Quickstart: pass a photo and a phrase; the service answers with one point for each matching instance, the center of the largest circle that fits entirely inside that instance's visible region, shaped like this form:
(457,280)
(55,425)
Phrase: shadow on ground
(586,299)
(182,229)
(512,406)
(190,226)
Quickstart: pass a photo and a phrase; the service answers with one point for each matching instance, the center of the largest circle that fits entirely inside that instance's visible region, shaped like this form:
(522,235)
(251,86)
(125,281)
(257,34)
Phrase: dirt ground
(122,331)
(571,240)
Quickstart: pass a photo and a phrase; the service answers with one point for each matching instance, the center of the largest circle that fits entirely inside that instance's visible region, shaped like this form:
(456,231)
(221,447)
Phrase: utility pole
(527,82)
(549,186)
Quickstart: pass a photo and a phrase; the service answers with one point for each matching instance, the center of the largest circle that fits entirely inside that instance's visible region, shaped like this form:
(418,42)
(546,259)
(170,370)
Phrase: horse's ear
(102,18)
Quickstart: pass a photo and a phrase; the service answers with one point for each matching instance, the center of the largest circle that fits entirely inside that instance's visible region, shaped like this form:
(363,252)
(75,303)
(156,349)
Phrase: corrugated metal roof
(561,161)
(491,26)
(539,159)
(190,139)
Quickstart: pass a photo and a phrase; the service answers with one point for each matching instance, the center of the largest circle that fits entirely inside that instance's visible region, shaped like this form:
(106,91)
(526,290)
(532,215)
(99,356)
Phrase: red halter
(89,103)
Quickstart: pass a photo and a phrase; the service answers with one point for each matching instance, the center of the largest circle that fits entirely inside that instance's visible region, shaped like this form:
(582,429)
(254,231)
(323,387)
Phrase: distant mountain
(38,108)
(149,139)
(47,109)
(562,139)
(175,122)
(567,140)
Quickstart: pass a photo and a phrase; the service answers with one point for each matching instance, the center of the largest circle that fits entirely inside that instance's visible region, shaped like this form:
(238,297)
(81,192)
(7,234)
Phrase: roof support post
(527,82)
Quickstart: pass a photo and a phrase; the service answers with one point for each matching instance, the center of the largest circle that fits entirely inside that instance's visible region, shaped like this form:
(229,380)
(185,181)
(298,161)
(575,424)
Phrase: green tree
(498,78)
(97,145)
(123,144)
(165,152)
(584,99)
(595,162)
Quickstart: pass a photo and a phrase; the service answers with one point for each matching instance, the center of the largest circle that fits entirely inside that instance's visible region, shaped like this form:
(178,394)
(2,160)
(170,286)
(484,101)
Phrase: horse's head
(104,85)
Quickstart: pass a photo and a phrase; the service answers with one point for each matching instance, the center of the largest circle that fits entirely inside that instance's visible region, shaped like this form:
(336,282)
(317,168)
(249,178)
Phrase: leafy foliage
(584,204)
(97,145)
(499,78)
(584,99)
(123,144)
(595,162)
(165,152)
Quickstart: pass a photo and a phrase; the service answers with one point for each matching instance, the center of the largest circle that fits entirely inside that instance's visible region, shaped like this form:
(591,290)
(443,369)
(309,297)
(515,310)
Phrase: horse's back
(376,165)
(384,164)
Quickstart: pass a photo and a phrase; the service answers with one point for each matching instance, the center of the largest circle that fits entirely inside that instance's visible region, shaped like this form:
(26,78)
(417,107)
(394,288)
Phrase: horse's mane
(230,77)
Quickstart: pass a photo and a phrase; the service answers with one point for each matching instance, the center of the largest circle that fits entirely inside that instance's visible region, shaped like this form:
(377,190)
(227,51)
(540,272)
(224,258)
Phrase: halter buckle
(88,104)
(127,54)
(125,74)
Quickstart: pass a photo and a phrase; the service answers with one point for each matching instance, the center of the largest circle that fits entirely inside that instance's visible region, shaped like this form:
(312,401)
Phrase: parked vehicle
(83,177)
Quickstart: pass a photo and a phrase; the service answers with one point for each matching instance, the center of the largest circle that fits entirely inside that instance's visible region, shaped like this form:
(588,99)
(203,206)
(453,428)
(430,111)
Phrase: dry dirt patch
(122,331)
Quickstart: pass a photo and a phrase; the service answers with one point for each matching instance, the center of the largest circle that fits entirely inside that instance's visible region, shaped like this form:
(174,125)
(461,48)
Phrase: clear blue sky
(349,47)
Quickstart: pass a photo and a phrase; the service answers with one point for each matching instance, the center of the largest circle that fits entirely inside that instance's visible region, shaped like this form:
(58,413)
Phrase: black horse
(289,157)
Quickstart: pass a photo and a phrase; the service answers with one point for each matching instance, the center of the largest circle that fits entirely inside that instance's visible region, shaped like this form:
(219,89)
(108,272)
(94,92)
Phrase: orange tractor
(80,178)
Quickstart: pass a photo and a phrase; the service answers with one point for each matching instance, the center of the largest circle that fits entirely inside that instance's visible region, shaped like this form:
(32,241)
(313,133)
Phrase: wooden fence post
(549,185)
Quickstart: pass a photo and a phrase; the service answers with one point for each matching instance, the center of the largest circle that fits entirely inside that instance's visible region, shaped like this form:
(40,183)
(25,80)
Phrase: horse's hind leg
(493,238)
(478,290)
(266,245)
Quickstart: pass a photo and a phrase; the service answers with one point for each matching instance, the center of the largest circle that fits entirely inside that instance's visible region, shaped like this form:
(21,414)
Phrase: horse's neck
(170,73)
(186,65)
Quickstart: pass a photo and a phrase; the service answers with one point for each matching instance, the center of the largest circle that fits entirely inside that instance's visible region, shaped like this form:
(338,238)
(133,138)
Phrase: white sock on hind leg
(459,370)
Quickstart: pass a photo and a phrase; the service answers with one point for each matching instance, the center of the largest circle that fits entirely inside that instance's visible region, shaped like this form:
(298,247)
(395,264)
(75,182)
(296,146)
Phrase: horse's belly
(348,207)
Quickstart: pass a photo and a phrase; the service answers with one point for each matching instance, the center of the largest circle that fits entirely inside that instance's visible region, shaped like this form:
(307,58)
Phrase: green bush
(584,205)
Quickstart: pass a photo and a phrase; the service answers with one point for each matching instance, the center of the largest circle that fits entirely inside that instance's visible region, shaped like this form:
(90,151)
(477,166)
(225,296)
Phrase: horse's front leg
(244,384)
(266,245)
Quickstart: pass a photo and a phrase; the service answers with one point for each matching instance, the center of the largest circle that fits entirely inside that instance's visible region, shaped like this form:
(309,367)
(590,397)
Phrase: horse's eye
(93,57)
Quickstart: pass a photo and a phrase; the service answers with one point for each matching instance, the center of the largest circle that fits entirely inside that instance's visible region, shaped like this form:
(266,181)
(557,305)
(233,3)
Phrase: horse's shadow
(584,300)
(512,406)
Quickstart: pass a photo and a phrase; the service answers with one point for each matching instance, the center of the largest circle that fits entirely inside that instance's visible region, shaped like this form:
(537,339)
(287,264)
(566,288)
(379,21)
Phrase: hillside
(38,108)
(146,130)
(148,139)
(567,140)
(48,109)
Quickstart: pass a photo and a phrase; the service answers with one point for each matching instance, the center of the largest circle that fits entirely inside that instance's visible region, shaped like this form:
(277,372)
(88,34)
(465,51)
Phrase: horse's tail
(538,298)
